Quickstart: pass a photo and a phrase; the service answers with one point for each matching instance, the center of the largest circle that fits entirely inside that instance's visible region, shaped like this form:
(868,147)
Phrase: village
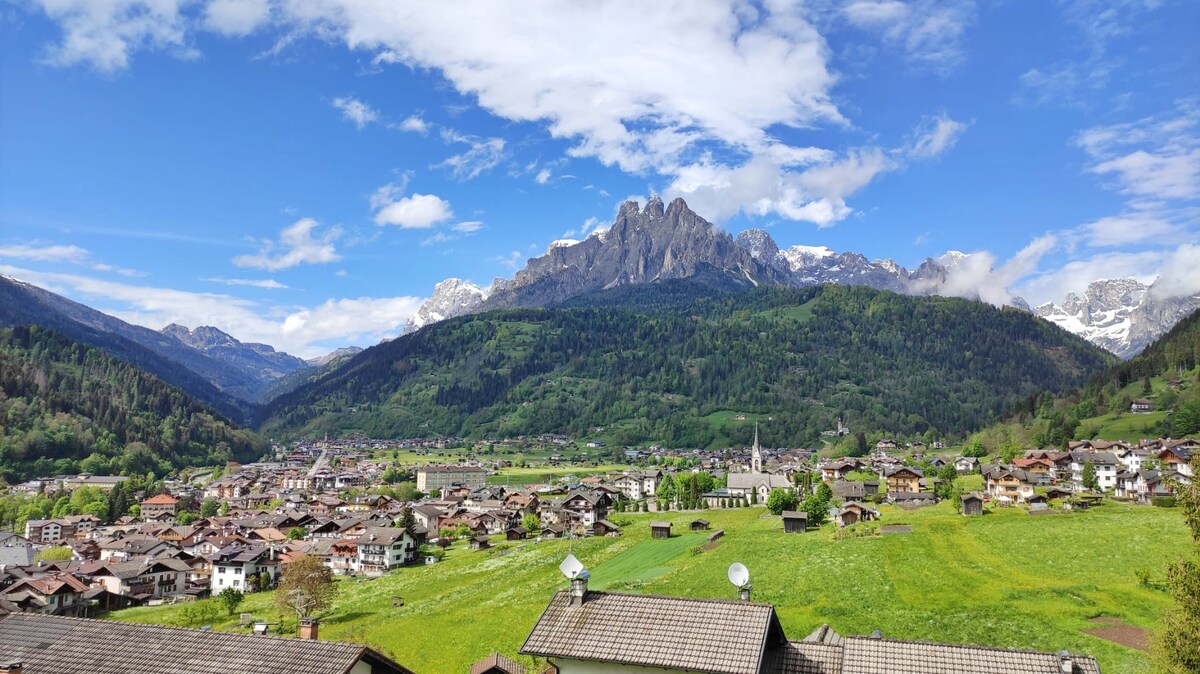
(241,527)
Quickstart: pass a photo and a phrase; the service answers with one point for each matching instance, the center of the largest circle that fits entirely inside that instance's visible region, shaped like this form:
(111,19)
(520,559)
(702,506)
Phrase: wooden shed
(972,504)
(480,543)
(795,522)
(660,529)
(699,525)
(605,528)
(516,534)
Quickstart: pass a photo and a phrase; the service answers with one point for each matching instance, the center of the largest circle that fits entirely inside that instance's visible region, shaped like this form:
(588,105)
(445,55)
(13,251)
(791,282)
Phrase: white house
(1106,465)
(233,566)
(383,549)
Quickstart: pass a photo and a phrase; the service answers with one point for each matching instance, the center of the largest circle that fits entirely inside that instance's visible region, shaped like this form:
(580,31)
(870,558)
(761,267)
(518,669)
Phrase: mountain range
(672,362)
(1119,315)
(657,243)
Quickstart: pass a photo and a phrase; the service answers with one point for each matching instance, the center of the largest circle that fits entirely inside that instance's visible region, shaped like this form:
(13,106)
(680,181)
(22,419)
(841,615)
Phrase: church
(756,481)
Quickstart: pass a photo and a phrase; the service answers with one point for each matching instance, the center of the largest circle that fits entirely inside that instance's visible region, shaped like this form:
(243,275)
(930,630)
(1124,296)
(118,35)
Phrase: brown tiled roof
(56,645)
(161,499)
(498,663)
(804,657)
(865,655)
(707,635)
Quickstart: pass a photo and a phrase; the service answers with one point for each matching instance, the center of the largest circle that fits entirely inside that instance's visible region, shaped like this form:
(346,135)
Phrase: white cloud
(104,34)
(356,111)
(512,260)
(270,283)
(1120,230)
(302,331)
(634,95)
(414,124)
(1075,275)
(468,226)
(978,276)
(419,211)
(542,177)
(936,136)
(69,254)
(48,253)
(236,17)
(1156,157)
(1180,273)
(484,155)
(371,318)
(928,32)
(296,245)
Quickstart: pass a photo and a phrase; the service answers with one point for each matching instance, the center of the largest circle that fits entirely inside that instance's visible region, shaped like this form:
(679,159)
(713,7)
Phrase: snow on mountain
(800,257)
(561,243)
(1119,315)
(450,298)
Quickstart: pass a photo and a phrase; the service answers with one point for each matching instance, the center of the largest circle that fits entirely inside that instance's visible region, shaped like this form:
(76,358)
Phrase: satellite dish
(739,575)
(571,567)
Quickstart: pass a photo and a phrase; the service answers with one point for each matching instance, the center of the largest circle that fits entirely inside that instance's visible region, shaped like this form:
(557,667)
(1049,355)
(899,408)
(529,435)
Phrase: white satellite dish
(571,567)
(739,575)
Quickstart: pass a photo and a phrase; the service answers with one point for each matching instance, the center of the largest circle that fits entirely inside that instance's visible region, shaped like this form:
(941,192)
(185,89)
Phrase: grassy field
(1004,579)
(538,474)
(1124,426)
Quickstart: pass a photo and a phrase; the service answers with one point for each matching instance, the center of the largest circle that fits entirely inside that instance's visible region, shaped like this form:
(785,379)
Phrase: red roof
(161,499)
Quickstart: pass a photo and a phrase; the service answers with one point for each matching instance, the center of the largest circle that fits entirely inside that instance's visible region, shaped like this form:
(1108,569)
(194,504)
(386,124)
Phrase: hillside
(995,580)
(1165,374)
(654,365)
(68,407)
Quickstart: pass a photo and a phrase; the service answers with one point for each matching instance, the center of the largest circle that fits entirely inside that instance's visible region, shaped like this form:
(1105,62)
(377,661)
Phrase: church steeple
(756,453)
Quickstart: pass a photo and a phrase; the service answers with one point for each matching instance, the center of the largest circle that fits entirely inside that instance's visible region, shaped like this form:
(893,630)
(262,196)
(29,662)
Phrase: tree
(55,554)
(781,500)
(296,534)
(1089,476)
(306,587)
(230,599)
(956,493)
(1146,390)
(407,521)
(947,480)
(974,449)
(1175,646)
(666,489)
(209,507)
(186,517)
(531,522)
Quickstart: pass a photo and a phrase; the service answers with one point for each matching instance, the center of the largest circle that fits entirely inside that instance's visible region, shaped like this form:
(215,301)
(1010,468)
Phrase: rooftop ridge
(943,644)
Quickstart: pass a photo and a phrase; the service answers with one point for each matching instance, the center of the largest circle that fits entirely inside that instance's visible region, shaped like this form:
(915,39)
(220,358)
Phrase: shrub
(1163,501)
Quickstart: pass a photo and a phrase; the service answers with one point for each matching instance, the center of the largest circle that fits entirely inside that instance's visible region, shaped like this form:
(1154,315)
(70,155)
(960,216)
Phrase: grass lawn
(1003,579)
(1125,426)
(538,474)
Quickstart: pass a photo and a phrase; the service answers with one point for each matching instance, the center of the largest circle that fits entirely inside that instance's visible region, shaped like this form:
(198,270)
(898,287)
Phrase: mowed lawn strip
(1003,579)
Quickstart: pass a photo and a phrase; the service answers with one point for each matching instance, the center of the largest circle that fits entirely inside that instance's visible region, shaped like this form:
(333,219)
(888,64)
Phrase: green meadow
(1004,579)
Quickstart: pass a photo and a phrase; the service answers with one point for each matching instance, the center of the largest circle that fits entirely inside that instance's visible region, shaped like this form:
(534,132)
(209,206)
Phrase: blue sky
(303,172)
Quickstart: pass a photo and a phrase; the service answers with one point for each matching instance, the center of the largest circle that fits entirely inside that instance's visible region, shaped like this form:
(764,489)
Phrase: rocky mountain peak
(759,244)
(204,337)
(1120,315)
(451,297)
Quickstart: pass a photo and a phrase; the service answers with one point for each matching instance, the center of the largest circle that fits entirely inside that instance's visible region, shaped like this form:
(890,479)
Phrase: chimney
(744,592)
(12,667)
(579,588)
(1065,664)
(308,627)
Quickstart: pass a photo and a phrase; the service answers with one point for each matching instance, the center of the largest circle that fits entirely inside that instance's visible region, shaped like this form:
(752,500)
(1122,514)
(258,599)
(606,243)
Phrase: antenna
(739,575)
(571,567)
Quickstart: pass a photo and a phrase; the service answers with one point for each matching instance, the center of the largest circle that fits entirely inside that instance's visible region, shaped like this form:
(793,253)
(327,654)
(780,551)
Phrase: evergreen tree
(1089,476)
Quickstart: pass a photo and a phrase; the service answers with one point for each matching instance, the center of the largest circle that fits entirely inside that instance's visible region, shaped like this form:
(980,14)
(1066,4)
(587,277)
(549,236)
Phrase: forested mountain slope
(1165,376)
(68,407)
(654,363)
